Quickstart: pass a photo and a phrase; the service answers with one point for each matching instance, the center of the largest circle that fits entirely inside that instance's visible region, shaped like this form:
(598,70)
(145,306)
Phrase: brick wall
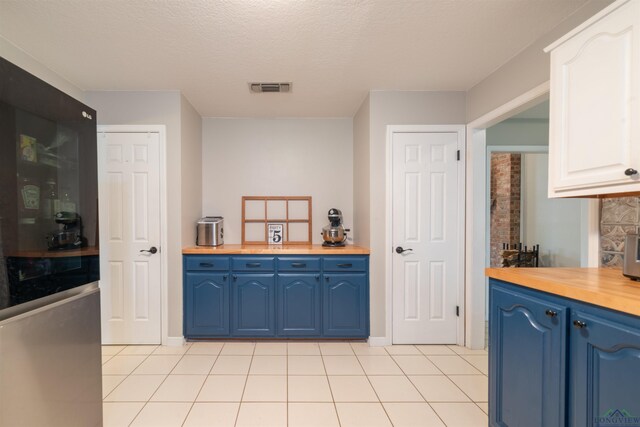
(505,203)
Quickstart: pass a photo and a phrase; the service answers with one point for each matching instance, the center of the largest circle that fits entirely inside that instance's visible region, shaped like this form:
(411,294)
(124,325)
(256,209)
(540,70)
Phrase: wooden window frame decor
(266,220)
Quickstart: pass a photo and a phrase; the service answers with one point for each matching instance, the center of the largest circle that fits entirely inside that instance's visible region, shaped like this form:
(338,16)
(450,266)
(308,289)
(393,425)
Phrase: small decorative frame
(275,236)
(291,213)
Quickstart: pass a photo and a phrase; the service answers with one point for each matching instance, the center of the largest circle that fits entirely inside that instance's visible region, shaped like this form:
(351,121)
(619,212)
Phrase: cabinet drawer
(298,264)
(345,264)
(253,263)
(208,263)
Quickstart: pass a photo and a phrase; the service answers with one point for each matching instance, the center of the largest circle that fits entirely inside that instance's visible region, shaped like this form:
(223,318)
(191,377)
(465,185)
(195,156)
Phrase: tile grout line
(326,375)
(253,354)
(246,379)
(201,387)
(419,392)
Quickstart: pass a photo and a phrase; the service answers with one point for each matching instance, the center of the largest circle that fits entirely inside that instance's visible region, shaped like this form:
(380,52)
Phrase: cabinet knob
(579,324)
(630,172)
(317,277)
(326,278)
(235,277)
(224,277)
(551,313)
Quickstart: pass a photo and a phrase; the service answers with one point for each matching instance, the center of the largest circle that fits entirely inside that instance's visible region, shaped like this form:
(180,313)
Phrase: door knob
(400,250)
(152,250)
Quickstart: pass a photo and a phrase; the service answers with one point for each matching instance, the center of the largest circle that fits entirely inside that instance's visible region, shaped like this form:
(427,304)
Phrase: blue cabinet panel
(206,263)
(345,305)
(253,305)
(604,370)
(253,263)
(347,263)
(298,304)
(527,360)
(298,263)
(206,304)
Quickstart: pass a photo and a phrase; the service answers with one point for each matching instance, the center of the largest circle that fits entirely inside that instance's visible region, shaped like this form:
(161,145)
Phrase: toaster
(631,266)
(209,231)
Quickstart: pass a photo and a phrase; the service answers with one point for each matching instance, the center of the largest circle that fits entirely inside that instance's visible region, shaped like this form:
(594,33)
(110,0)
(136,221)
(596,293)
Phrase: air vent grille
(270,87)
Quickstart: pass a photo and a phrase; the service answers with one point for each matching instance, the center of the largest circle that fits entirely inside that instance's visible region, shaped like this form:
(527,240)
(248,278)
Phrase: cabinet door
(206,311)
(595,113)
(253,307)
(527,353)
(345,305)
(604,372)
(298,304)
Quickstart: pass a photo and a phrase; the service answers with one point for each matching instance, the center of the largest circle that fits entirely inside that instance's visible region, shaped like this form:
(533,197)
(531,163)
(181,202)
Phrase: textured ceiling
(334,51)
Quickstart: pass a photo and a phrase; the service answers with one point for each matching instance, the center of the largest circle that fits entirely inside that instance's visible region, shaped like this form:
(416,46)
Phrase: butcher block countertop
(598,286)
(275,250)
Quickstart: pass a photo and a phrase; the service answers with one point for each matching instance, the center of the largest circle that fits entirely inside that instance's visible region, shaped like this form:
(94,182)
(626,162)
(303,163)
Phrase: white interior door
(426,277)
(129,194)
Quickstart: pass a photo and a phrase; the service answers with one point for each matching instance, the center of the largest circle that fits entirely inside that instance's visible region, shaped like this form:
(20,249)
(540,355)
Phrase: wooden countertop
(231,249)
(598,286)
(88,251)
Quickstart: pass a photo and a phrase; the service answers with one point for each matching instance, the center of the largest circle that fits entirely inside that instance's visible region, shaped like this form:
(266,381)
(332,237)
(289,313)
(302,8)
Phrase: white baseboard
(174,341)
(379,341)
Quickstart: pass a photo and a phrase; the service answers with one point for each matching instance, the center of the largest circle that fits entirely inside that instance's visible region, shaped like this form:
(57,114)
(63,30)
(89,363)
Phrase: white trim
(391,129)
(173,341)
(511,108)
(164,261)
(475,250)
(589,220)
(379,341)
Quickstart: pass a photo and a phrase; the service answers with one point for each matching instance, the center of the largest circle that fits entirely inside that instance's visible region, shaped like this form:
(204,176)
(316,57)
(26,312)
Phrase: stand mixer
(334,234)
(70,236)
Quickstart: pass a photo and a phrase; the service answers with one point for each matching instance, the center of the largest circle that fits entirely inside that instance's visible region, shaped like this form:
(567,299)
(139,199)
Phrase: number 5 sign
(275,234)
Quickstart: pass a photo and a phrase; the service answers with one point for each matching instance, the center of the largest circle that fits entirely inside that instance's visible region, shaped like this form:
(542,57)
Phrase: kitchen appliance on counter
(334,234)
(631,266)
(70,236)
(210,231)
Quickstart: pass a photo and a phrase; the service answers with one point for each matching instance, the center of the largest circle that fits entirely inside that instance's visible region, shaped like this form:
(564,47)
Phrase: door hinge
(458,155)
(458,310)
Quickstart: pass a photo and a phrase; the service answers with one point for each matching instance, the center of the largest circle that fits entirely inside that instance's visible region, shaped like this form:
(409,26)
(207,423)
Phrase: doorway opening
(478,202)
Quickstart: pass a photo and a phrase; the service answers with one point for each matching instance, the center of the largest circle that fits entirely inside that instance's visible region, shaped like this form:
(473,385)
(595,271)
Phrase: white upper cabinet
(594,143)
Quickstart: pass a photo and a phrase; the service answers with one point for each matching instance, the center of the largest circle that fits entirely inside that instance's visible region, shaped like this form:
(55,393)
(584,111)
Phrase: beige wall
(155,108)
(526,70)
(361,174)
(191,159)
(22,59)
(396,108)
(277,157)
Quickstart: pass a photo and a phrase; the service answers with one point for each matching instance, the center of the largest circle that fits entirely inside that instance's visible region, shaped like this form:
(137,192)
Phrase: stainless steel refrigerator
(50,358)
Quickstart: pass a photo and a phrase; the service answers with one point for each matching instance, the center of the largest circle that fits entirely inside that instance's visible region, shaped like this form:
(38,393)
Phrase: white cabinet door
(595,121)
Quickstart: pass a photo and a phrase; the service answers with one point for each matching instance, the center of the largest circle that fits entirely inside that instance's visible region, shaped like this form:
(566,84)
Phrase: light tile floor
(273,384)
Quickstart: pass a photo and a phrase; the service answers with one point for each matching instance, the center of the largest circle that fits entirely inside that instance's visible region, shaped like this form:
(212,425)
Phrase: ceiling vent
(269,87)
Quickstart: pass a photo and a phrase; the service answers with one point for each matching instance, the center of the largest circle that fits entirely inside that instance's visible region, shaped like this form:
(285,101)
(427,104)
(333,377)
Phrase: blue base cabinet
(253,312)
(604,369)
(345,310)
(299,304)
(207,296)
(265,296)
(560,362)
(528,350)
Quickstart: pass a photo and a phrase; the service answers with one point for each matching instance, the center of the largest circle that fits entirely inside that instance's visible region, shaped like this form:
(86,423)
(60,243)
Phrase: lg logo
(86,115)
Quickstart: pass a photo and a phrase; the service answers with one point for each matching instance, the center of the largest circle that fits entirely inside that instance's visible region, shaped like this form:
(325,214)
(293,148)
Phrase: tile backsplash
(618,216)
